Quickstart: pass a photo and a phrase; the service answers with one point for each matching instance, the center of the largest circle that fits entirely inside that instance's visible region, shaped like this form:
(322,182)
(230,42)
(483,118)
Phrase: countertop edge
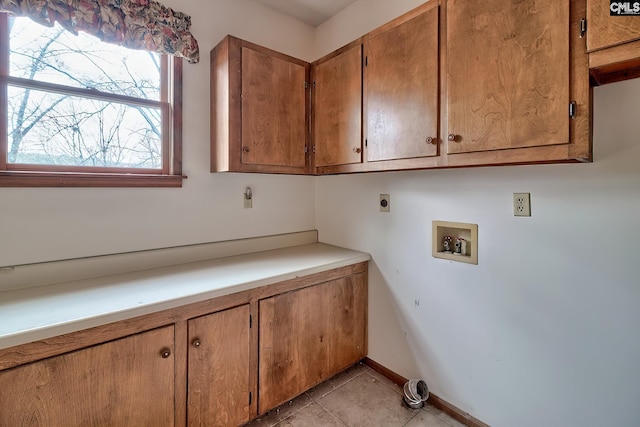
(21,337)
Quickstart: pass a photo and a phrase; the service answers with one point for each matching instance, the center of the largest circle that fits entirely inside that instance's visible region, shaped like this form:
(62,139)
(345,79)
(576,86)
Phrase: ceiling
(313,12)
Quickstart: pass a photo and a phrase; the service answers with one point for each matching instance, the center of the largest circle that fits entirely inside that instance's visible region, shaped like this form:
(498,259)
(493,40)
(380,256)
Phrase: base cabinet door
(127,382)
(218,370)
(308,335)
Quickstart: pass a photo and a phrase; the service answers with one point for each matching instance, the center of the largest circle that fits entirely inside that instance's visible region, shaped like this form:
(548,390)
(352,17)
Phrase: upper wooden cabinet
(218,372)
(401,76)
(507,74)
(517,83)
(451,83)
(337,107)
(605,30)
(259,110)
(127,382)
(613,43)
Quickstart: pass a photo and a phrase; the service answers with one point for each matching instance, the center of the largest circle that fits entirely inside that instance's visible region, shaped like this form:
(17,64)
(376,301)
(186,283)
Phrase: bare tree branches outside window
(54,127)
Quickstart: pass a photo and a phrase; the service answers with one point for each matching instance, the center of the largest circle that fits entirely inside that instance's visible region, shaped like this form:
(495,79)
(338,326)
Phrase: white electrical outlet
(385,203)
(521,204)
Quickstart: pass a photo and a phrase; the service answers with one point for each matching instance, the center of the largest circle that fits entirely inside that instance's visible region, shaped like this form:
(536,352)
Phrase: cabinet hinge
(250,321)
(573,109)
(314,148)
(250,398)
(583,27)
(314,84)
(306,149)
(306,85)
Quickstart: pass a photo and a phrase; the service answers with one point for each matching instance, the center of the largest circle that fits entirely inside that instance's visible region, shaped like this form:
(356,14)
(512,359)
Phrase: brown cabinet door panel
(308,335)
(605,30)
(507,74)
(126,382)
(402,90)
(218,372)
(273,110)
(338,109)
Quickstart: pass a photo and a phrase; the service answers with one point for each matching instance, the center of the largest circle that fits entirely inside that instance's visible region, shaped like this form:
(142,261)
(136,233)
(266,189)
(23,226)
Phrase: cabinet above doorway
(613,43)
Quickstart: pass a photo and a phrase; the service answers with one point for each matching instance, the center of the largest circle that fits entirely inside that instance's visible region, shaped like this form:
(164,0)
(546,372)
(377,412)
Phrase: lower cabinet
(308,335)
(127,382)
(219,362)
(218,369)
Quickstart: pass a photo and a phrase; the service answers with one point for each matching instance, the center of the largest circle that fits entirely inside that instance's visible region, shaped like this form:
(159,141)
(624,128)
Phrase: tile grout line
(441,415)
(385,381)
(412,418)
(291,414)
(338,387)
(315,400)
(334,416)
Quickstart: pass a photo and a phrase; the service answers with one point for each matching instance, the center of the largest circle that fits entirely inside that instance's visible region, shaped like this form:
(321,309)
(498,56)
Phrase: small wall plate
(468,233)
(385,203)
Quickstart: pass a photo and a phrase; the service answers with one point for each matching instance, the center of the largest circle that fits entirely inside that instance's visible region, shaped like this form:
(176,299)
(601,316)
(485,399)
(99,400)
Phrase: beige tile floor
(356,397)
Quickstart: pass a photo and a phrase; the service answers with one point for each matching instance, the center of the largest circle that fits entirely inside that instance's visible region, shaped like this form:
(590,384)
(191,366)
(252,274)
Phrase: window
(80,112)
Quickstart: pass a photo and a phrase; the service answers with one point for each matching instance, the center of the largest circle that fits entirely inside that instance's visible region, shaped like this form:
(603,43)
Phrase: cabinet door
(605,30)
(338,109)
(127,382)
(218,372)
(274,110)
(507,74)
(402,90)
(308,335)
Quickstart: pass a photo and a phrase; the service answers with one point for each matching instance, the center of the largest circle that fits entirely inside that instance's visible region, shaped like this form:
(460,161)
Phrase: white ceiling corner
(312,12)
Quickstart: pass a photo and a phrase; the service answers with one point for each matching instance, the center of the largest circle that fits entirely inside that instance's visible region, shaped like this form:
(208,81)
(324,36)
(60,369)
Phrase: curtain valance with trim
(137,24)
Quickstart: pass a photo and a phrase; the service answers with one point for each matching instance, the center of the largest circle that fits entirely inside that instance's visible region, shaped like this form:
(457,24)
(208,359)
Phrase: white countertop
(33,314)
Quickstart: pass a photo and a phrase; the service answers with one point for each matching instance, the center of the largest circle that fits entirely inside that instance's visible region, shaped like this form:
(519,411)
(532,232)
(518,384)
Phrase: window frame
(170,104)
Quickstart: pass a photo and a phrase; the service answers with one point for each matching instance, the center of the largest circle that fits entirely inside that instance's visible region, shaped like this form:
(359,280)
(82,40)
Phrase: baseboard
(434,400)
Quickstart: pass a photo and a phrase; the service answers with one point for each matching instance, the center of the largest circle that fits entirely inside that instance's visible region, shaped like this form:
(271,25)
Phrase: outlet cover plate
(385,203)
(521,204)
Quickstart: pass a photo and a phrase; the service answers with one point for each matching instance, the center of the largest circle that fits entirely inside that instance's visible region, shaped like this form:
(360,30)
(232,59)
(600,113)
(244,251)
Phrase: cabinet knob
(165,353)
(452,137)
(196,343)
(357,150)
(246,149)
(431,140)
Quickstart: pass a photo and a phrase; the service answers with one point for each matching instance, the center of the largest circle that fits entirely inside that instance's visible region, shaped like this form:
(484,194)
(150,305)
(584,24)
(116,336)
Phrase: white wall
(46,224)
(356,20)
(543,331)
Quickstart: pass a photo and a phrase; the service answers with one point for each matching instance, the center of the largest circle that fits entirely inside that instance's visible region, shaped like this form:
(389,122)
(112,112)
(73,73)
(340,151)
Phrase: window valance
(137,24)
